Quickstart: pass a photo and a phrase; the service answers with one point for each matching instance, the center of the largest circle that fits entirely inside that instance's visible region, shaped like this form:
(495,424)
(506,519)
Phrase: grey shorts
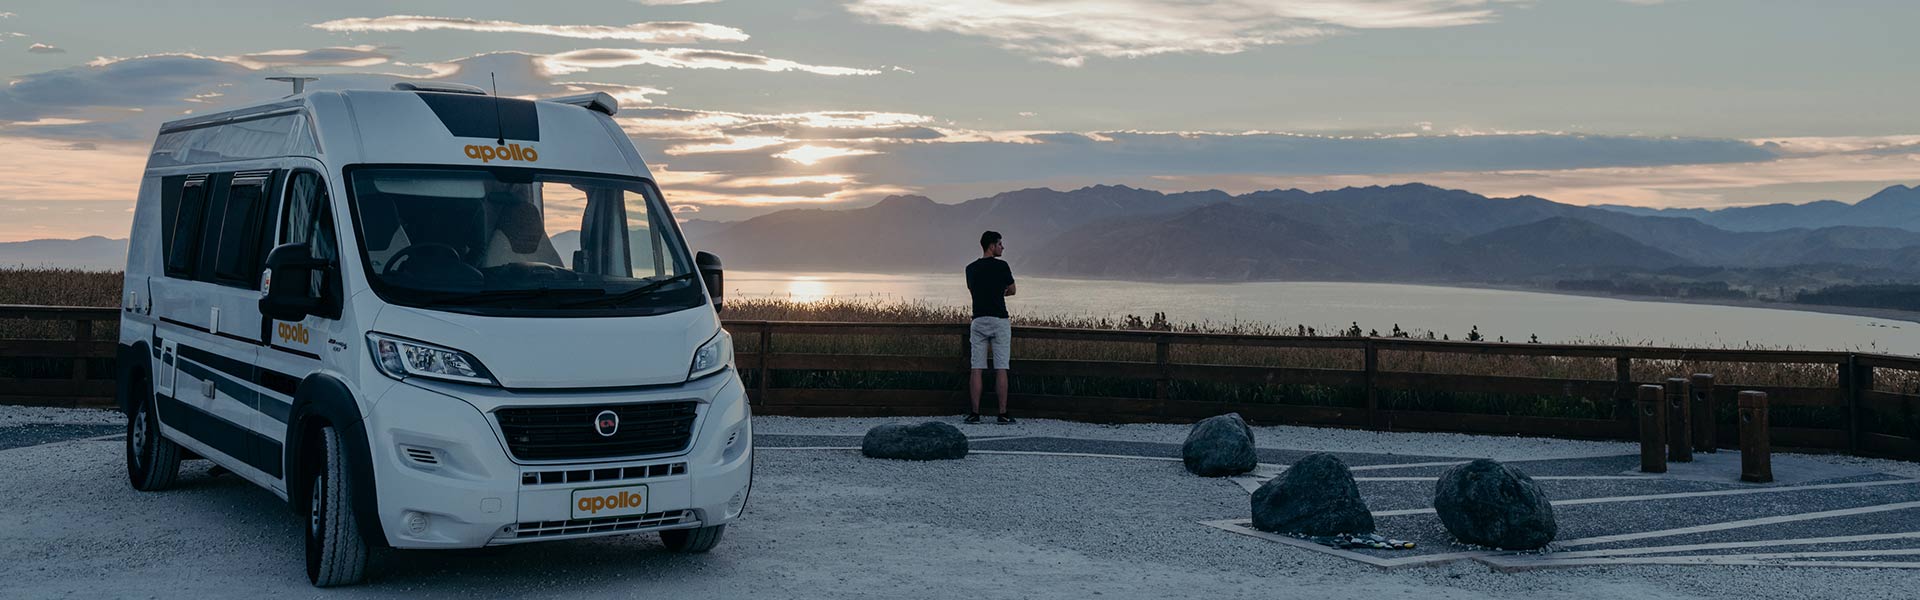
(991,335)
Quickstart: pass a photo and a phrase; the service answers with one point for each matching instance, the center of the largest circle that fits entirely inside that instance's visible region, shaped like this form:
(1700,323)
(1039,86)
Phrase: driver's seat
(519,236)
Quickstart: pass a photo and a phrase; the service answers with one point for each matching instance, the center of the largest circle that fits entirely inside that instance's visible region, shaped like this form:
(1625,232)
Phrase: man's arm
(1011,288)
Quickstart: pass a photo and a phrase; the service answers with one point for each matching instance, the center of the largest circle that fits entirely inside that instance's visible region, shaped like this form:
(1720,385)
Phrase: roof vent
(598,102)
(299,83)
(445,88)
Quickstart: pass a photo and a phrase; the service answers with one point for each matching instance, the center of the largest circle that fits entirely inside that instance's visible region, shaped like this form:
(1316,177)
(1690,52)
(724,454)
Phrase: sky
(742,107)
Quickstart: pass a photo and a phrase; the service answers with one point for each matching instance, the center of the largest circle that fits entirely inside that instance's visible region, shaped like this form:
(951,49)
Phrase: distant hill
(1557,245)
(93,253)
(1897,207)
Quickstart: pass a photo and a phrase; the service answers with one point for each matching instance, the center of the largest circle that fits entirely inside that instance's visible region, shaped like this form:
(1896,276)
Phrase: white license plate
(600,503)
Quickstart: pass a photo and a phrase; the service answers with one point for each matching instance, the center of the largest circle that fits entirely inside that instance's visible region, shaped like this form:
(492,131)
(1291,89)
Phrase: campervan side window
(183,230)
(237,260)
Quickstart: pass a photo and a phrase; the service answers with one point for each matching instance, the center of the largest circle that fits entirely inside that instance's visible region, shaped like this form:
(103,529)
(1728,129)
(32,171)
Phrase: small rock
(1489,504)
(1316,496)
(1220,446)
(931,440)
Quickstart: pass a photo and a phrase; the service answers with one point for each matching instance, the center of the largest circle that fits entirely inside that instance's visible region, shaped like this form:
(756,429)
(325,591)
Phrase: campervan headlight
(401,358)
(712,356)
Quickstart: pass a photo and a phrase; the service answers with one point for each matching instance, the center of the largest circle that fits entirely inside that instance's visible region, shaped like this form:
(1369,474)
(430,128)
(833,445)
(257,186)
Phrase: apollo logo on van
(292,332)
(616,501)
(507,152)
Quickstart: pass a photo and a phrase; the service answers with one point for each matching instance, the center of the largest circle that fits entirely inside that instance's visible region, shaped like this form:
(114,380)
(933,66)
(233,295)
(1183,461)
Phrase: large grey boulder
(931,440)
(1220,446)
(1316,496)
(1486,503)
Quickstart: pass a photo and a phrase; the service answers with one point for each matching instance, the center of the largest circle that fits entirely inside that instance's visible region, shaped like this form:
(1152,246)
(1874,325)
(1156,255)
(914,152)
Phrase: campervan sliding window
(183,214)
(237,258)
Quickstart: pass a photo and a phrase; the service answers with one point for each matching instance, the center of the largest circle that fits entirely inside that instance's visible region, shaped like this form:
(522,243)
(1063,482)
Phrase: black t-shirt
(987,280)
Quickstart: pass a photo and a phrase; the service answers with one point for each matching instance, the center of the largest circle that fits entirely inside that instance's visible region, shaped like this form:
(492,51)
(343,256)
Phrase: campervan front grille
(572,433)
(603,525)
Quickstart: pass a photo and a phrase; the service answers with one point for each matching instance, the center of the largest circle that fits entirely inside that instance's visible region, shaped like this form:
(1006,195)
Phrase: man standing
(990,281)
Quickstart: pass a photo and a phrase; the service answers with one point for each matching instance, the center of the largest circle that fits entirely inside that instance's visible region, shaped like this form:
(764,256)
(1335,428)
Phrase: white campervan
(429,317)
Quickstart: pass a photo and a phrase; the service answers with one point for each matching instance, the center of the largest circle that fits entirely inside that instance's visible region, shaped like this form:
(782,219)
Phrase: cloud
(1067,32)
(657,32)
(45,49)
(810,154)
(683,58)
(674,2)
(1690,185)
(347,56)
(106,92)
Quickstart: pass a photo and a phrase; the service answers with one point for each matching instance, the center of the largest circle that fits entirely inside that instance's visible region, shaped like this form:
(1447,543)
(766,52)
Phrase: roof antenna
(499,127)
(299,83)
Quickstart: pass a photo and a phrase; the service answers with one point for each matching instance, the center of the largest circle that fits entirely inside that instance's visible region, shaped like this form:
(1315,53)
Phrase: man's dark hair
(988,238)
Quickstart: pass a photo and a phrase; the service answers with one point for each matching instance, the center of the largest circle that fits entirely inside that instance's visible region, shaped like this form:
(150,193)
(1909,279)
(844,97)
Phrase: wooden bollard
(1756,449)
(1706,414)
(1651,411)
(1679,421)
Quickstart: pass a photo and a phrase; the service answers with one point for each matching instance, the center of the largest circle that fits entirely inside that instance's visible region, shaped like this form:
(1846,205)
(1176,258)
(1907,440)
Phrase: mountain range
(94,253)
(1411,232)
(1897,206)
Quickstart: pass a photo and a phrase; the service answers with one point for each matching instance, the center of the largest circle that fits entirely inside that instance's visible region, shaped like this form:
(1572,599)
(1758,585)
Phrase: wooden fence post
(1623,388)
(1651,412)
(1679,421)
(966,367)
(1162,356)
(1756,448)
(766,349)
(1855,381)
(82,332)
(1370,366)
(1706,414)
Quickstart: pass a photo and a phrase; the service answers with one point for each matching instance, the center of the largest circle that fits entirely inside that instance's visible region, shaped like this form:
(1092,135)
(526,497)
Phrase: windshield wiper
(486,297)
(634,293)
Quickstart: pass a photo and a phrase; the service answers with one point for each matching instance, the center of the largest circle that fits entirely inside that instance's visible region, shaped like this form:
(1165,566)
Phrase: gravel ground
(33,435)
(821,524)
(1310,439)
(11,416)
(829,523)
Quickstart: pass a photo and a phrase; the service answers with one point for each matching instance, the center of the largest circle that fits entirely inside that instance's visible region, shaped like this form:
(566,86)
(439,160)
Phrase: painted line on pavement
(1678,495)
(1741,524)
(1838,539)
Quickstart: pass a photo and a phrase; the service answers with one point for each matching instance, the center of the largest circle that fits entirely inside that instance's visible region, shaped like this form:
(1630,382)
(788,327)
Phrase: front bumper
(444,478)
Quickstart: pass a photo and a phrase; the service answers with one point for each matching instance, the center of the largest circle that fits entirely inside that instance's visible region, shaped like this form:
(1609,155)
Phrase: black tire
(153,461)
(336,554)
(692,541)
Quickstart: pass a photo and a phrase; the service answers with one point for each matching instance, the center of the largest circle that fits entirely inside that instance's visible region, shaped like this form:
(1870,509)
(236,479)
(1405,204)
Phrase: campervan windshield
(510,241)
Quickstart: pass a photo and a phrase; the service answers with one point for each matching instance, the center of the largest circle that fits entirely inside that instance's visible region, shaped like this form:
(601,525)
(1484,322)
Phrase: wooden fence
(1853,395)
(80,357)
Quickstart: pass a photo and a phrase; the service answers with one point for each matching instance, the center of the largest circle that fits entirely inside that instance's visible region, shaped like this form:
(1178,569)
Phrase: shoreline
(1850,311)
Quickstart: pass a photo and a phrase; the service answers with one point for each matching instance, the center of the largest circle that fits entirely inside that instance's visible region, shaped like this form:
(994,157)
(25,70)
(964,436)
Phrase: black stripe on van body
(258,451)
(231,372)
(491,117)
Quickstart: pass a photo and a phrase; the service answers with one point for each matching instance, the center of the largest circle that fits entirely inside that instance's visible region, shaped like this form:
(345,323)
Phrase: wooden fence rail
(1853,395)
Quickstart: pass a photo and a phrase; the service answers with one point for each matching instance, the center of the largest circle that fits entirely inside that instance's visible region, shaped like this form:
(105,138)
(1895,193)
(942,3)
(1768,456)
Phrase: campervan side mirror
(290,291)
(713,274)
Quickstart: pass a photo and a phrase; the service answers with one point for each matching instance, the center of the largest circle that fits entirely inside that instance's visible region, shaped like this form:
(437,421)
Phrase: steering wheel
(427,252)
